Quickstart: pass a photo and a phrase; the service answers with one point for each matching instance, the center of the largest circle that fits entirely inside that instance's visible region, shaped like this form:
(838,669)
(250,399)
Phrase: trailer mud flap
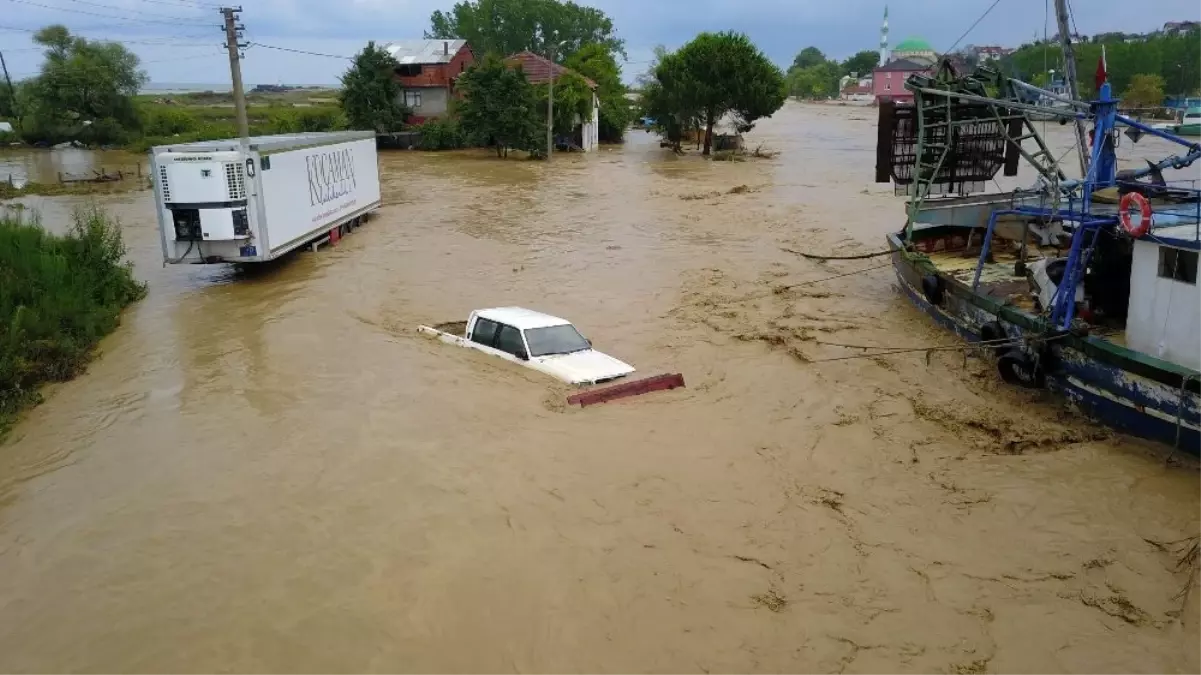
(626,389)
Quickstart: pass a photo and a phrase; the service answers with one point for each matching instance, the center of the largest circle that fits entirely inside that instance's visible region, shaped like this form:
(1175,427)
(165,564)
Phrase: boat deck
(997,278)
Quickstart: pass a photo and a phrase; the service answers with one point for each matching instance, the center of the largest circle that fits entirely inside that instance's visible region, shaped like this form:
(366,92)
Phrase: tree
(667,100)
(596,62)
(573,99)
(814,82)
(85,89)
(505,27)
(370,94)
(1145,91)
(499,107)
(725,73)
(861,63)
(807,58)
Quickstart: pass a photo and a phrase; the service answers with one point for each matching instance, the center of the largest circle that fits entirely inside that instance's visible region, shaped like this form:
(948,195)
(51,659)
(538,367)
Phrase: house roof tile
(538,69)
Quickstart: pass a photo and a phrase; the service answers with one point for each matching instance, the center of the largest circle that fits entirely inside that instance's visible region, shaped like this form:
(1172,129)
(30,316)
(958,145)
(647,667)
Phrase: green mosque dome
(913,44)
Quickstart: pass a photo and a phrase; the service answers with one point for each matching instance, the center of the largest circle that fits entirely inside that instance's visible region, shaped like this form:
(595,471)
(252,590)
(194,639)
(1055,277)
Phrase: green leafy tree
(814,82)
(808,57)
(667,98)
(596,62)
(499,106)
(370,94)
(725,73)
(1145,91)
(505,27)
(573,101)
(861,63)
(85,89)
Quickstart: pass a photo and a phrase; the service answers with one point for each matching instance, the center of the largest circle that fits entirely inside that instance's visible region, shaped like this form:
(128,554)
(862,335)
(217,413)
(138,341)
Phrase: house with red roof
(426,71)
(540,70)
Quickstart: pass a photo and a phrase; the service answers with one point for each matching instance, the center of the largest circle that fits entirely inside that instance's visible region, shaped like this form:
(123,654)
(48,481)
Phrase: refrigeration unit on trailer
(220,201)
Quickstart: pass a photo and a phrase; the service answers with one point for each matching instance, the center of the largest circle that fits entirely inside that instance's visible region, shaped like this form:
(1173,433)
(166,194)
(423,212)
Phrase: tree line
(1169,61)
(813,76)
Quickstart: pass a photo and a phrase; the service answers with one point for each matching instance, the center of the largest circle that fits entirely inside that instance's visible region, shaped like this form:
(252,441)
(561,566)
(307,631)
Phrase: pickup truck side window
(484,332)
(509,340)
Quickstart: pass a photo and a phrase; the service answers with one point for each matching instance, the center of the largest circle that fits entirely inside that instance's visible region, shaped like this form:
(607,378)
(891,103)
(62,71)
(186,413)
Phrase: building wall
(434,101)
(890,85)
(1164,318)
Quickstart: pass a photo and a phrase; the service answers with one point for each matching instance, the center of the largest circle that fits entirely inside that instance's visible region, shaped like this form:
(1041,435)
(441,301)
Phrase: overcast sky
(179,40)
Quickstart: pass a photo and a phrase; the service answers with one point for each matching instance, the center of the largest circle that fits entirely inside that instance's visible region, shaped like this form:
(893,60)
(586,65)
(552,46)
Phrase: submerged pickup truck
(540,341)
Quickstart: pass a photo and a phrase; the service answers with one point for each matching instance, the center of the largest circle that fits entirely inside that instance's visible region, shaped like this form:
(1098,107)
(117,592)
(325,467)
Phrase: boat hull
(1114,396)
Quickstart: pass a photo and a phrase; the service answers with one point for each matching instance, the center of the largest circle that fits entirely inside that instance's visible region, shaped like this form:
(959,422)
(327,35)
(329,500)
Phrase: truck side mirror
(521,354)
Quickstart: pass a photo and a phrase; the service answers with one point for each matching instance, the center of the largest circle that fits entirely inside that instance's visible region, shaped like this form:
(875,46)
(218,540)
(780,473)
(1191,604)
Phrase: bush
(442,134)
(295,120)
(167,121)
(58,296)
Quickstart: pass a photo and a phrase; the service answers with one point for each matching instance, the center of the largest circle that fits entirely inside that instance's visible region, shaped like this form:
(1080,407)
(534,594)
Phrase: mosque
(912,55)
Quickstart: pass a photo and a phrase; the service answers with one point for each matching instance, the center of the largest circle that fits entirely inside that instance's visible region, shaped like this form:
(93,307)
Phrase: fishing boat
(1086,287)
(1190,125)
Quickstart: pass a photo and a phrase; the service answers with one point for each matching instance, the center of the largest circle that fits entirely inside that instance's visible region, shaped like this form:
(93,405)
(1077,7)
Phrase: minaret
(884,38)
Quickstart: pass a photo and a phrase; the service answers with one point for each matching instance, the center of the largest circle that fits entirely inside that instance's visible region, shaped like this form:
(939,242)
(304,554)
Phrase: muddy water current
(272,471)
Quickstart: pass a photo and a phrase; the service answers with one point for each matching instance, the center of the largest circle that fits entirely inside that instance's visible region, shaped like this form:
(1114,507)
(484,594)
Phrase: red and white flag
(1102,70)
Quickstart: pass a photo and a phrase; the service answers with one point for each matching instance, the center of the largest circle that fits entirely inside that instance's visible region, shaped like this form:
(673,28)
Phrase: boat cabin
(1164,314)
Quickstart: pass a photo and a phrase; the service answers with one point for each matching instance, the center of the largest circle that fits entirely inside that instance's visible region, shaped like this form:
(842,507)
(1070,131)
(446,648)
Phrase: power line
(300,51)
(971,27)
(104,16)
(185,3)
(167,39)
(159,16)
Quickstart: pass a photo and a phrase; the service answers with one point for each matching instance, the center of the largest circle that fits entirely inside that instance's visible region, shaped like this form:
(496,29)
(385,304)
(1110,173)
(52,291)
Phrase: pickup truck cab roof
(521,318)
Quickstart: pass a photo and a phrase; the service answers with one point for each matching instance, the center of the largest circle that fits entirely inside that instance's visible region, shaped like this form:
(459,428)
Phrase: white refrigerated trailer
(221,202)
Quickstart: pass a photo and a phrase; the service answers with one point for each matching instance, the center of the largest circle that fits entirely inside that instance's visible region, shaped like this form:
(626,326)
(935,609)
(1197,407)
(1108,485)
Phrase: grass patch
(59,295)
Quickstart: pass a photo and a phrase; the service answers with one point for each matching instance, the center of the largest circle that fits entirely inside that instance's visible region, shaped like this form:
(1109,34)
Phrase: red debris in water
(634,388)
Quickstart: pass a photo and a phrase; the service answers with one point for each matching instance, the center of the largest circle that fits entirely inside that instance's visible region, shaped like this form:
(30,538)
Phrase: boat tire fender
(933,288)
(1130,201)
(994,331)
(1021,368)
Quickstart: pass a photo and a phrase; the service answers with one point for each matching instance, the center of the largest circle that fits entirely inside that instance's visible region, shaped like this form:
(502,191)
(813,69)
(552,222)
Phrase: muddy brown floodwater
(274,472)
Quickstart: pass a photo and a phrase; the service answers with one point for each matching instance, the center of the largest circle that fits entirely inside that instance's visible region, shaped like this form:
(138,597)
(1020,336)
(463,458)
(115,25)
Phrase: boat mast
(1069,72)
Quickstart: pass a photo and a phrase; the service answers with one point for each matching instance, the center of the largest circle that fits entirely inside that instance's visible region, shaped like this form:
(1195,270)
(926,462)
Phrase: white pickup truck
(540,341)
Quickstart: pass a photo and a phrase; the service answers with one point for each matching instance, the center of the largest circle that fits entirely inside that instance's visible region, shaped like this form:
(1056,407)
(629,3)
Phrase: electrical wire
(299,51)
(157,16)
(969,29)
(104,16)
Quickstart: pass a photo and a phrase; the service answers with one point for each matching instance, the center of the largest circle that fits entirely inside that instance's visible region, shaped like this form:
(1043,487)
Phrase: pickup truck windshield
(555,340)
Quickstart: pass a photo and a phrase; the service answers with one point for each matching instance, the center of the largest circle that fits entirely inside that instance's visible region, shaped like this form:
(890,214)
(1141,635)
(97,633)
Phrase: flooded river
(274,472)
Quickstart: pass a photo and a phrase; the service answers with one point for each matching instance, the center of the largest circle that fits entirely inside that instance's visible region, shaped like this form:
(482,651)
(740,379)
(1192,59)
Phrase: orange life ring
(1144,207)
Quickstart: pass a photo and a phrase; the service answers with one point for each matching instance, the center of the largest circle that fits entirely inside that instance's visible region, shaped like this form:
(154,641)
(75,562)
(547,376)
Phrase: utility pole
(1069,73)
(233,31)
(550,103)
(12,93)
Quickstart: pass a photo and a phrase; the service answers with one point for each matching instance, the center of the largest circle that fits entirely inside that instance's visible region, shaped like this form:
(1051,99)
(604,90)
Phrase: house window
(412,99)
(1178,264)
(409,70)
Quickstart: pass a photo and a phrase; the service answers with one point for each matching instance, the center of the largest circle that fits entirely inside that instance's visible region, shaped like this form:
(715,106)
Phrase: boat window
(509,340)
(555,340)
(1177,264)
(484,332)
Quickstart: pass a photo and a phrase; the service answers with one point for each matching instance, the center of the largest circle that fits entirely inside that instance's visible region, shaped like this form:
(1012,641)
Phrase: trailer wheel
(1021,368)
